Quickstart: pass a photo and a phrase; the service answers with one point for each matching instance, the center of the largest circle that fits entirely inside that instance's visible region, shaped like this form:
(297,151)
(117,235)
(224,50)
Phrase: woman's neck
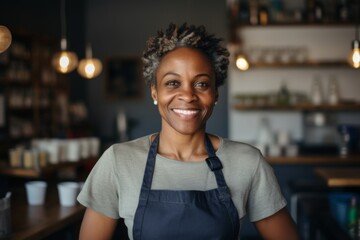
(183,147)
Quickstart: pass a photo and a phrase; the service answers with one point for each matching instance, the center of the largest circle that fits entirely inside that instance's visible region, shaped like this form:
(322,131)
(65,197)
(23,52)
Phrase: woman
(183,183)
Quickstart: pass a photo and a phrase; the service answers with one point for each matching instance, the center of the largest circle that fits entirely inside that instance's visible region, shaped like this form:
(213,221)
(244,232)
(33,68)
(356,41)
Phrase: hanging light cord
(63,19)
(63,25)
(357,20)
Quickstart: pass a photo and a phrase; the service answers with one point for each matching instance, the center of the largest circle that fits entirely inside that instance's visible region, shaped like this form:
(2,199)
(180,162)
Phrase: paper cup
(68,192)
(35,192)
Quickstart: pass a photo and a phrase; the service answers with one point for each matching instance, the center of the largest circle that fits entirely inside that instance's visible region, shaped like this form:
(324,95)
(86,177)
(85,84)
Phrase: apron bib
(185,215)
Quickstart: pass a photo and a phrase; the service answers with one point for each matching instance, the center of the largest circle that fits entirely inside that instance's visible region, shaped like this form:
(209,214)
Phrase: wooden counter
(38,222)
(340,177)
(312,160)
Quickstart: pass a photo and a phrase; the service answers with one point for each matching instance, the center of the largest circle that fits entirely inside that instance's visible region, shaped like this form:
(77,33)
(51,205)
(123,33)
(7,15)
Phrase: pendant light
(64,61)
(241,62)
(5,38)
(89,67)
(354,57)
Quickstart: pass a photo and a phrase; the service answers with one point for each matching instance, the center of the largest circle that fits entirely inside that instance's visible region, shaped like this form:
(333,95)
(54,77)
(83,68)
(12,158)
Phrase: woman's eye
(172,83)
(201,84)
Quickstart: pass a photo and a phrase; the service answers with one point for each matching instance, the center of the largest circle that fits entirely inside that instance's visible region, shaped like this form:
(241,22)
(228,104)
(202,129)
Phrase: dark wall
(120,28)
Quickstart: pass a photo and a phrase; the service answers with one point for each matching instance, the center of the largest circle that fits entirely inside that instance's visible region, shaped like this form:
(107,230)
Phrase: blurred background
(292,91)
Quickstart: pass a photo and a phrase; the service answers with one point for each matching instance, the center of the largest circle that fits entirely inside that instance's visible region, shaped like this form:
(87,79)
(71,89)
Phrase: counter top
(316,159)
(340,177)
(37,222)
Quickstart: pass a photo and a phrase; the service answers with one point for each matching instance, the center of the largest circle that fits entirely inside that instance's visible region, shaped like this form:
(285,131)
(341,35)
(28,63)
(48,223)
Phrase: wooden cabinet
(29,86)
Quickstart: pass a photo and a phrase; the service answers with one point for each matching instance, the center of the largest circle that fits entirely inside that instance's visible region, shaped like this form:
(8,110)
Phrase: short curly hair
(184,36)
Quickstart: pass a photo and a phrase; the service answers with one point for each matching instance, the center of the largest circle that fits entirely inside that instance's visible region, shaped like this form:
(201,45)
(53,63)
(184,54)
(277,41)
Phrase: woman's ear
(153,92)
(216,94)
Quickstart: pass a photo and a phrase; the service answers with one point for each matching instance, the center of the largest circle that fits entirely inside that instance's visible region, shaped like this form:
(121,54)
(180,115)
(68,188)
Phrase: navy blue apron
(185,215)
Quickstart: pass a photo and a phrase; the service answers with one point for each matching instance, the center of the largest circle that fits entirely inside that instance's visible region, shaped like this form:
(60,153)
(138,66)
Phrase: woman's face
(185,90)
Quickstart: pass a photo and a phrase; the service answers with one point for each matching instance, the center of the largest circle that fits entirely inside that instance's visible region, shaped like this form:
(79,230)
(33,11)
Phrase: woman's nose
(187,94)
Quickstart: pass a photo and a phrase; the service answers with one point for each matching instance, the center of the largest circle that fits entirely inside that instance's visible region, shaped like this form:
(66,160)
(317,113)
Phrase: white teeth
(185,112)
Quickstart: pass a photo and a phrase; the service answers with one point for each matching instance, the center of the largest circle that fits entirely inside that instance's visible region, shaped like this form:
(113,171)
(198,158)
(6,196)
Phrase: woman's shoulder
(228,145)
(138,145)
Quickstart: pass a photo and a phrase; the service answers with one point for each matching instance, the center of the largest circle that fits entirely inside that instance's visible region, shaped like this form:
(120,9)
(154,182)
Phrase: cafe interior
(71,86)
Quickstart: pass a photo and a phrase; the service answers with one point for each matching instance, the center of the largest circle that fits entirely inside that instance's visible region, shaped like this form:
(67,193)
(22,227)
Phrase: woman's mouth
(186,112)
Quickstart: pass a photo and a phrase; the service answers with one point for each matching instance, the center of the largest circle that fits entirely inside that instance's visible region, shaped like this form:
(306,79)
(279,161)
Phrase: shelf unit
(30,87)
(272,53)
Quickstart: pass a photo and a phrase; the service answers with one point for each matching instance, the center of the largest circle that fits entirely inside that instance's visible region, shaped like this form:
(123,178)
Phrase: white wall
(331,43)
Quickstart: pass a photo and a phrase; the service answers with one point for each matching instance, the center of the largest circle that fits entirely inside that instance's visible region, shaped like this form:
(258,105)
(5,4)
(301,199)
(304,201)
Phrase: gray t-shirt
(113,186)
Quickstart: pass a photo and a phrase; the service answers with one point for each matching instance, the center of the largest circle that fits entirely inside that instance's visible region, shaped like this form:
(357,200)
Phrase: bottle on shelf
(283,96)
(264,136)
(318,11)
(343,11)
(333,92)
(310,10)
(263,13)
(352,218)
(253,12)
(244,14)
(316,92)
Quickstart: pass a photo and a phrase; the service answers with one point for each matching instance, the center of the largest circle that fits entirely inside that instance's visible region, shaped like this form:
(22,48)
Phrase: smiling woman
(184,183)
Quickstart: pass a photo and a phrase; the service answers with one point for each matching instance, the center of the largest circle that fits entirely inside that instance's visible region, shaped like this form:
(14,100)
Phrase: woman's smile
(186,113)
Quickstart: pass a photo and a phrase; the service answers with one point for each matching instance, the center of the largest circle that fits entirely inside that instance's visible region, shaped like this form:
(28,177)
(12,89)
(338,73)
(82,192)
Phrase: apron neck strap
(214,163)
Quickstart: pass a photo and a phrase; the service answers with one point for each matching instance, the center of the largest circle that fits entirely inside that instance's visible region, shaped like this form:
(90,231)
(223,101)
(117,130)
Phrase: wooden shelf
(5,169)
(295,24)
(343,177)
(307,64)
(314,160)
(299,107)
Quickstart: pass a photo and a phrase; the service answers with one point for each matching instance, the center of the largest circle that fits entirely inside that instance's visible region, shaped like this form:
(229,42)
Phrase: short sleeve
(100,191)
(265,197)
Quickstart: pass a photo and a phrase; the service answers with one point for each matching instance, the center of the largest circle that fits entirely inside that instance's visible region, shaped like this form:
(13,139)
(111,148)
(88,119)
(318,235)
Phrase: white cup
(73,150)
(54,151)
(94,146)
(35,192)
(63,148)
(68,192)
(84,148)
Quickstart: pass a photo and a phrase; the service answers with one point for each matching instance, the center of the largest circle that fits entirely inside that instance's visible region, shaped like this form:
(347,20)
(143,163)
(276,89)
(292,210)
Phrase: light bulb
(89,67)
(65,61)
(354,57)
(5,38)
(242,63)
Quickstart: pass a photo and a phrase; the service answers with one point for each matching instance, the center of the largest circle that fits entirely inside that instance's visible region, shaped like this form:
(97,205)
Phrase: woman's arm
(96,226)
(279,226)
